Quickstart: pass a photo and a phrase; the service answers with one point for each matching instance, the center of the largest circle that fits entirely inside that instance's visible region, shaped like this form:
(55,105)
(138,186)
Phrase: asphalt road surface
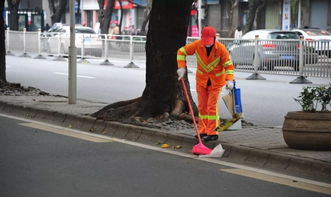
(264,102)
(38,160)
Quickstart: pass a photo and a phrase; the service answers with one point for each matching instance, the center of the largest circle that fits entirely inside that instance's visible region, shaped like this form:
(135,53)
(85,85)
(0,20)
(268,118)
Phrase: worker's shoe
(210,138)
(202,135)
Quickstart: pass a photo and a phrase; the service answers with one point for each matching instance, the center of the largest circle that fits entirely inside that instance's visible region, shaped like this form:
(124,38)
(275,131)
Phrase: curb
(253,157)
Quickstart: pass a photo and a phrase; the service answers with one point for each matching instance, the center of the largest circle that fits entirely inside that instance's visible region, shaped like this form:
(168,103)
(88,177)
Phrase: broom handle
(191,110)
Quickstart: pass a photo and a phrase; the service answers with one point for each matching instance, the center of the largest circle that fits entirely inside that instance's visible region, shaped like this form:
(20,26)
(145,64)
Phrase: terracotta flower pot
(308,130)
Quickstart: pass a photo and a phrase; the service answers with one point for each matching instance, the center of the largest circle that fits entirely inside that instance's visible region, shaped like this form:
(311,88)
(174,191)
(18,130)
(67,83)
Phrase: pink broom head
(201,149)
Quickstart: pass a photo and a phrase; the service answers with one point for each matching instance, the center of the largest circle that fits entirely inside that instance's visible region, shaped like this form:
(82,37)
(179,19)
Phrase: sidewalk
(260,147)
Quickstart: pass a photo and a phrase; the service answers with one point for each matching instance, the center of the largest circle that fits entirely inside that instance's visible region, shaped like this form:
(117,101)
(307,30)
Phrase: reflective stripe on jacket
(217,67)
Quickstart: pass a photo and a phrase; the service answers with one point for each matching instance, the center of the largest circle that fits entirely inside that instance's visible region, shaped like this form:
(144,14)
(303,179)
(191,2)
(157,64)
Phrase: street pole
(299,14)
(72,78)
(199,16)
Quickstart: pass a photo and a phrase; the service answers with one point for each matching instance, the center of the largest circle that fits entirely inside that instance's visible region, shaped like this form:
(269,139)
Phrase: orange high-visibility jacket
(218,67)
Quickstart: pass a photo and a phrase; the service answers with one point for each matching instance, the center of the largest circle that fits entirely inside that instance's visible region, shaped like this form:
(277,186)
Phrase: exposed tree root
(136,111)
(120,111)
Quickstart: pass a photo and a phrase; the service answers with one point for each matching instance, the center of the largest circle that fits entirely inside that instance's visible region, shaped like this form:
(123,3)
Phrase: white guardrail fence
(284,57)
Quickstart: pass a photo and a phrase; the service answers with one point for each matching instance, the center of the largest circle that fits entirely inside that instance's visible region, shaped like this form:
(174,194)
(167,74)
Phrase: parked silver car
(58,40)
(275,48)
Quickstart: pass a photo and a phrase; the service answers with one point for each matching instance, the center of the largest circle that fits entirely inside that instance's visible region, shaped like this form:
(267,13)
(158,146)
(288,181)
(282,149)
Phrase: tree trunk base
(135,111)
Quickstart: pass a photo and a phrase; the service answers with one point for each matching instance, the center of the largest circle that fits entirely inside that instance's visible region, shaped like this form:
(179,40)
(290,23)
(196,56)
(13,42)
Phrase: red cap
(208,35)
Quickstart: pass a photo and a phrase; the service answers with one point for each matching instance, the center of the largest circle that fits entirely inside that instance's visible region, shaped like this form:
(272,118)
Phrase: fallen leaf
(165,146)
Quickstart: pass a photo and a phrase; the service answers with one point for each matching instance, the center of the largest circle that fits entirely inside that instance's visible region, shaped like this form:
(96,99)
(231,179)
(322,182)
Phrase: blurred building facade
(223,14)
(274,14)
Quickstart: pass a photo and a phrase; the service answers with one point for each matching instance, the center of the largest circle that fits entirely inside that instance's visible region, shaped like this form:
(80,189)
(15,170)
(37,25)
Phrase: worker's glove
(229,84)
(181,73)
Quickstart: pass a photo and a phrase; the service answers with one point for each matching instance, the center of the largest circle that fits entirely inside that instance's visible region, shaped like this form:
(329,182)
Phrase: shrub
(312,99)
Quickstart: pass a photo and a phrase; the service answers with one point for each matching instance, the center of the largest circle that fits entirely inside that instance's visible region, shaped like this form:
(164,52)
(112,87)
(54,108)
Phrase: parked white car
(317,38)
(58,40)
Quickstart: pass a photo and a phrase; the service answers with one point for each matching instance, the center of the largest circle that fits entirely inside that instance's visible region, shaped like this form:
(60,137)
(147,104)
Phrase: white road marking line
(66,132)
(80,76)
(279,180)
(210,160)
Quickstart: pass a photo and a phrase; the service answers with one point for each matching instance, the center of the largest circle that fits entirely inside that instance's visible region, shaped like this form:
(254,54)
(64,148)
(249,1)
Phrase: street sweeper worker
(214,70)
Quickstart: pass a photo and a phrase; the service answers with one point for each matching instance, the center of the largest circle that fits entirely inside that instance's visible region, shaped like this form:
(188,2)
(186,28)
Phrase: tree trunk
(105,13)
(163,93)
(101,13)
(260,15)
(2,47)
(233,23)
(205,21)
(58,11)
(147,15)
(52,7)
(79,13)
(254,7)
(13,8)
(121,19)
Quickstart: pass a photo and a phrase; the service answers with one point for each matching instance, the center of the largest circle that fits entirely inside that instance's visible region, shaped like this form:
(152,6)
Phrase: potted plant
(310,128)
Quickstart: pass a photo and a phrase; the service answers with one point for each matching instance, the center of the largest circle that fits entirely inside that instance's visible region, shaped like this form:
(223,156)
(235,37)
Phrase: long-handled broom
(200,148)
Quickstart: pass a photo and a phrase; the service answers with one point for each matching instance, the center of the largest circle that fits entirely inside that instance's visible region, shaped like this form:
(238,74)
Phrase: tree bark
(254,6)
(58,10)
(13,8)
(163,95)
(233,23)
(105,14)
(2,47)
(121,19)
(79,18)
(147,14)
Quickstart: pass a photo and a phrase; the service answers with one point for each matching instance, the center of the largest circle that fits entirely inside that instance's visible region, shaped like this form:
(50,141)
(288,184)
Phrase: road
(264,102)
(40,160)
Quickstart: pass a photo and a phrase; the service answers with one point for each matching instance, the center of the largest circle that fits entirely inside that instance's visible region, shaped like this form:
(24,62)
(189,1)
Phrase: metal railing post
(131,64)
(106,61)
(256,61)
(25,54)
(39,56)
(58,44)
(7,39)
(59,56)
(82,52)
(301,79)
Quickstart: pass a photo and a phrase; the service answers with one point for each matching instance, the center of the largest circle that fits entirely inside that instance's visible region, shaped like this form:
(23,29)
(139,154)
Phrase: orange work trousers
(209,119)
